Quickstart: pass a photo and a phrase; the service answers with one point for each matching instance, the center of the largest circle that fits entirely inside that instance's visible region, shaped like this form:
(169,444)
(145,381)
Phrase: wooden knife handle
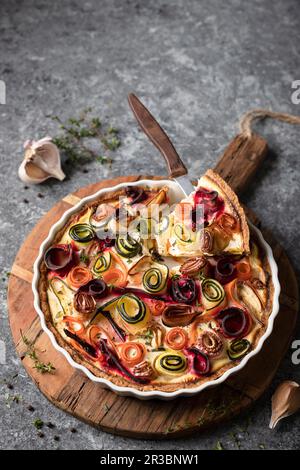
(241,159)
(157,136)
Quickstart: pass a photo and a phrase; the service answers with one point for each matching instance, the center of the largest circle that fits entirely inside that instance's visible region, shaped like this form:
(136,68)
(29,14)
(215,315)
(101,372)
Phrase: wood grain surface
(241,159)
(73,392)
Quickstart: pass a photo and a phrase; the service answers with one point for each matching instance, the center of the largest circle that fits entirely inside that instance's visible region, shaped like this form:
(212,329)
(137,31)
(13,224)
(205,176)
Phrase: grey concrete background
(199,66)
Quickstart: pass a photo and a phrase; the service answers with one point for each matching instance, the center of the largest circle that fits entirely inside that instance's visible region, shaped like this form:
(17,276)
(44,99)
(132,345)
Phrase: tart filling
(168,303)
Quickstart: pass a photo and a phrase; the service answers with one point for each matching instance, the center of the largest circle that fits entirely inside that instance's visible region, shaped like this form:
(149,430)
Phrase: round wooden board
(72,391)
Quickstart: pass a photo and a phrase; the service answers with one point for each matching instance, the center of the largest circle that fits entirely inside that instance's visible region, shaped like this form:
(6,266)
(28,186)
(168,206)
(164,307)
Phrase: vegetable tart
(153,297)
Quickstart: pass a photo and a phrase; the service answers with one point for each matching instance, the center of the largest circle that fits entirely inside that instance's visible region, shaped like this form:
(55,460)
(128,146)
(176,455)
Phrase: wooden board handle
(241,159)
(157,136)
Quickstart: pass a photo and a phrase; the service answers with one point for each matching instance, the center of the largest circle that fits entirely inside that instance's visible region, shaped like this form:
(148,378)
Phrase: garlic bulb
(285,401)
(41,161)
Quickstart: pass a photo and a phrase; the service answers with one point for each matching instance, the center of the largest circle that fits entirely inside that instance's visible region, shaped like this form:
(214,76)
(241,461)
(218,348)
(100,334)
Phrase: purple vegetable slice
(183,290)
(58,256)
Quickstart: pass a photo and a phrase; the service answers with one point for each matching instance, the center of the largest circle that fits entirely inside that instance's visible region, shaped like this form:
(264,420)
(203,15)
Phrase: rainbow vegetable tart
(157,300)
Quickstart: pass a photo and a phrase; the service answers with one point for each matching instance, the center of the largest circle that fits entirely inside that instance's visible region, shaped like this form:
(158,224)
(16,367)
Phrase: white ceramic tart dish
(226,335)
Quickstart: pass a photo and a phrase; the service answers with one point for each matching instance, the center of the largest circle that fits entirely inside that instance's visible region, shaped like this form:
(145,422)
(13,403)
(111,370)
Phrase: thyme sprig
(40,366)
(75,131)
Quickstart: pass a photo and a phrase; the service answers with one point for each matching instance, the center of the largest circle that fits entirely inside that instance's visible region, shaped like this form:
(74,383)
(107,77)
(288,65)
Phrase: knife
(177,169)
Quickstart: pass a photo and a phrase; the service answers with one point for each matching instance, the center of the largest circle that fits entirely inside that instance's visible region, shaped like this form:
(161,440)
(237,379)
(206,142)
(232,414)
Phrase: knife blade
(150,126)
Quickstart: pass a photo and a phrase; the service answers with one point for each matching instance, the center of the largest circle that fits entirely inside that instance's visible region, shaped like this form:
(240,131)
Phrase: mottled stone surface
(199,65)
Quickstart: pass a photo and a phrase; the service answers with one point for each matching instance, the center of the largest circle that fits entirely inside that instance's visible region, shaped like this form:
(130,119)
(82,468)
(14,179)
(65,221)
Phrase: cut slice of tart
(209,222)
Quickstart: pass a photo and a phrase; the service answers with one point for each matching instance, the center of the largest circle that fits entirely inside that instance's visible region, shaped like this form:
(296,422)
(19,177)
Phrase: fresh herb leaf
(9,399)
(84,258)
(103,159)
(32,355)
(218,446)
(112,130)
(25,339)
(44,368)
(38,423)
(148,336)
(95,122)
(112,143)
(169,429)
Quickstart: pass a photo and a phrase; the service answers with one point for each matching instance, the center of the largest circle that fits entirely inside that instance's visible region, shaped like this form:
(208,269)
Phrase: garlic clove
(285,401)
(41,161)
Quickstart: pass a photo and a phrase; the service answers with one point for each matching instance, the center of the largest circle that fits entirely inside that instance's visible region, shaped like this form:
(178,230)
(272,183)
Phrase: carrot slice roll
(132,353)
(176,338)
(115,276)
(78,276)
(74,324)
